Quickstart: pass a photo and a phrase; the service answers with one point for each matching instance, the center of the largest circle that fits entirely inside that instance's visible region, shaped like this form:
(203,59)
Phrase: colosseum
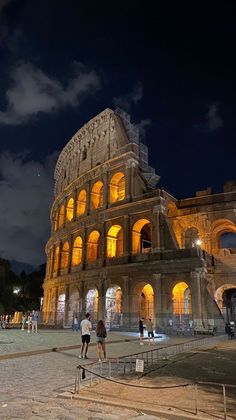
(121,248)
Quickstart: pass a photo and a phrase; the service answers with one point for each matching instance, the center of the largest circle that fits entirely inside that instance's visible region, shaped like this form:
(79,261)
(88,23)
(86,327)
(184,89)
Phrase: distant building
(121,248)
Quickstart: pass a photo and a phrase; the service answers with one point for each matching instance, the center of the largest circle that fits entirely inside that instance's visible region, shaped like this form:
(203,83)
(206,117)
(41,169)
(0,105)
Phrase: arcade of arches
(121,248)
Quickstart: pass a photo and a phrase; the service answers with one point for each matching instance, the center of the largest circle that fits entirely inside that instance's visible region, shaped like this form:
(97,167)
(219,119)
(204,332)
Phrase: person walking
(149,326)
(75,326)
(29,322)
(101,336)
(34,322)
(141,328)
(86,328)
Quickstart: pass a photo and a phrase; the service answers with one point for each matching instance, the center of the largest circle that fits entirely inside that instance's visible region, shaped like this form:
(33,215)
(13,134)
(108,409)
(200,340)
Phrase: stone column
(56,304)
(102,298)
(67,297)
(158,303)
(196,277)
(126,303)
(70,253)
(106,190)
(127,236)
(75,196)
(156,240)
(88,198)
(59,259)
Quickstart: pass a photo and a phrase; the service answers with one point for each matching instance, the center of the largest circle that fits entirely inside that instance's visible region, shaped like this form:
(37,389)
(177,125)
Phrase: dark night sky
(170,64)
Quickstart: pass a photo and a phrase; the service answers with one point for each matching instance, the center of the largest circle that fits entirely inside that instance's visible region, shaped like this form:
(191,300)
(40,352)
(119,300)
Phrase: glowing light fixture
(198,242)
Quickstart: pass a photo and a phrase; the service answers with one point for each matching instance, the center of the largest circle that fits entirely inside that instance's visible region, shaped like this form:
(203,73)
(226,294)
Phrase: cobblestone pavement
(30,385)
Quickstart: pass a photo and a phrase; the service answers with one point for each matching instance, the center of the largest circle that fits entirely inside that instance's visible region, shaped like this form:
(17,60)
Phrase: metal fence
(118,369)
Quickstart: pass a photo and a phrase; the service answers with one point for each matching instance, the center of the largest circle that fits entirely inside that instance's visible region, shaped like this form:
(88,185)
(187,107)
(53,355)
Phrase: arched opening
(191,237)
(117,187)
(141,237)
(92,304)
(65,255)
(115,242)
(50,260)
(81,203)
(61,306)
(93,246)
(74,306)
(114,306)
(77,251)
(181,306)
(147,302)
(97,195)
(225,297)
(56,259)
(70,210)
(228,241)
(61,216)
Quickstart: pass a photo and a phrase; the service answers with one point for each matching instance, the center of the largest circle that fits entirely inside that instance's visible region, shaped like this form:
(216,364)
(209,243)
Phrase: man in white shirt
(86,328)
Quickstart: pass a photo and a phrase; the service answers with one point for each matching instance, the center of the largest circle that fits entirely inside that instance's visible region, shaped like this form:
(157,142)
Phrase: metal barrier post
(101,371)
(91,378)
(109,369)
(224,399)
(196,400)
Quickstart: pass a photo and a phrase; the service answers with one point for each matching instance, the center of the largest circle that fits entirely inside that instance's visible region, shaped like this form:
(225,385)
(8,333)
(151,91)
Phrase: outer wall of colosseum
(121,249)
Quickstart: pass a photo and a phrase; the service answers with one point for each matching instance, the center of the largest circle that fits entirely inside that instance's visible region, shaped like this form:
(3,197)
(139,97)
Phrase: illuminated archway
(50,260)
(97,195)
(92,303)
(61,306)
(225,297)
(93,246)
(70,209)
(65,255)
(190,237)
(181,299)
(61,216)
(56,259)
(115,241)
(114,306)
(77,251)
(117,187)
(141,237)
(81,203)
(74,305)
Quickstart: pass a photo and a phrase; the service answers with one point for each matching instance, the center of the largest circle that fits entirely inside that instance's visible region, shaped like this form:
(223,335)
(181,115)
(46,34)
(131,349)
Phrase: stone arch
(61,306)
(225,297)
(117,187)
(91,303)
(141,236)
(181,307)
(70,210)
(93,246)
(97,195)
(77,251)
(61,216)
(218,228)
(81,203)
(74,305)
(65,255)
(143,300)
(114,297)
(115,240)
(191,236)
(172,210)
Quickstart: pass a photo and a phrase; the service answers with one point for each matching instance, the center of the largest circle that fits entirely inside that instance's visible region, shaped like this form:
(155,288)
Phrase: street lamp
(16,290)
(198,242)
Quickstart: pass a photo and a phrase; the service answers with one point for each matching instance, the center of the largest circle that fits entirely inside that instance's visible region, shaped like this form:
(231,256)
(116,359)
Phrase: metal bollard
(196,400)
(109,369)
(224,400)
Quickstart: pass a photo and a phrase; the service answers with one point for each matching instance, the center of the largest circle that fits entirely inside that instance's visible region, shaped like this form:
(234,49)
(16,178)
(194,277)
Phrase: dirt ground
(215,364)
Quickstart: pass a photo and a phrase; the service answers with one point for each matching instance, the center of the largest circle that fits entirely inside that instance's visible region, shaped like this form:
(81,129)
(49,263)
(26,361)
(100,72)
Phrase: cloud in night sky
(32,92)
(214,120)
(26,194)
(142,127)
(130,98)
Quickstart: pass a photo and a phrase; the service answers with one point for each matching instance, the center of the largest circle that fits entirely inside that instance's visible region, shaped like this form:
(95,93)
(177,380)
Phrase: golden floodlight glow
(181,299)
(92,246)
(115,241)
(77,251)
(56,259)
(117,187)
(81,204)
(136,235)
(61,215)
(97,195)
(65,255)
(70,209)
(147,302)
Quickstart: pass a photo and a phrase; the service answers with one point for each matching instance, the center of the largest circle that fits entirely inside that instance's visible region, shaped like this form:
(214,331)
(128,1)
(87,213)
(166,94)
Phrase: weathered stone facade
(121,248)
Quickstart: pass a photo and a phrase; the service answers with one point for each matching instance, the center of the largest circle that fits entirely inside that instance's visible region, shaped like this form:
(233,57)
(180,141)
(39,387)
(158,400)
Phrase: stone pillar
(197,298)
(67,297)
(70,253)
(102,299)
(59,259)
(56,305)
(84,249)
(156,240)
(126,304)
(106,190)
(75,196)
(158,303)
(103,245)
(88,198)
(127,236)
(64,219)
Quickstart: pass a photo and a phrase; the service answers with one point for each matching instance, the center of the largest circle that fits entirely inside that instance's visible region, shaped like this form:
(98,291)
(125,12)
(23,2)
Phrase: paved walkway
(27,383)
